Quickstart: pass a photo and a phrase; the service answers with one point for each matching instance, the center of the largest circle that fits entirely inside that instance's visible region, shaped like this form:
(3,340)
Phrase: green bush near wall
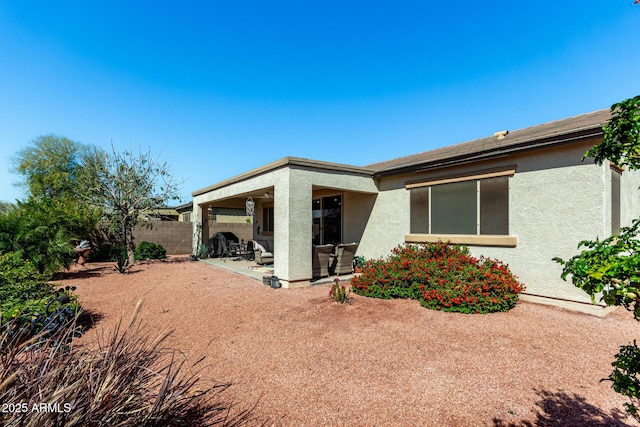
(148,250)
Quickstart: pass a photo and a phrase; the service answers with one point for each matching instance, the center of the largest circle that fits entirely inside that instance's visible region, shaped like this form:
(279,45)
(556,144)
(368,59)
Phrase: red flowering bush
(442,277)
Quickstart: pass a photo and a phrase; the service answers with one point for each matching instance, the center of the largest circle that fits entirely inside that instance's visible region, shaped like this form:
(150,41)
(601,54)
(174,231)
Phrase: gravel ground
(309,361)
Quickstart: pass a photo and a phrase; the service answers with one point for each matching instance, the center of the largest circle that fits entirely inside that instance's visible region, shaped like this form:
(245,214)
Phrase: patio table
(239,251)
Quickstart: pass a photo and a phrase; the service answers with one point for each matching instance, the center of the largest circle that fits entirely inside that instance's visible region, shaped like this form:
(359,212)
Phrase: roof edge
(287,162)
(575,135)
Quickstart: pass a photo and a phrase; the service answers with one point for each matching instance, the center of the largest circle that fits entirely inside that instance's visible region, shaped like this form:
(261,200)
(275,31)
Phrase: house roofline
(565,131)
(184,206)
(535,143)
(288,162)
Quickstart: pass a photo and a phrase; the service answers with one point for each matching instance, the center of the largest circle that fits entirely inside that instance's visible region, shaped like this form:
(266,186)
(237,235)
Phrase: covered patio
(258,272)
(297,203)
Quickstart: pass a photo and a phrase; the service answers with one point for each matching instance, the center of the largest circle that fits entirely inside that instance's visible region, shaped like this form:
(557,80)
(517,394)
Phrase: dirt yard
(309,361)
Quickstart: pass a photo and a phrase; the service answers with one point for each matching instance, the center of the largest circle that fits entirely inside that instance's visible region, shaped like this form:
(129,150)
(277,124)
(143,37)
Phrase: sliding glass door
(327,220)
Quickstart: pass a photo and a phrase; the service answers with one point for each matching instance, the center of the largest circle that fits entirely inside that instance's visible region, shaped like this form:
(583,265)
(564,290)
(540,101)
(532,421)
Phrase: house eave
(521,147)
(288,162)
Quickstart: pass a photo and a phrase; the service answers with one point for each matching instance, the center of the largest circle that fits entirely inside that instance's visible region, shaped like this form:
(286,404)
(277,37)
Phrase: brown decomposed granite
(309,361)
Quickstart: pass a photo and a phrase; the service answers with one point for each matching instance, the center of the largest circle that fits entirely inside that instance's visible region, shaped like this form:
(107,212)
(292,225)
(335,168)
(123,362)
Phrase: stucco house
(523,197)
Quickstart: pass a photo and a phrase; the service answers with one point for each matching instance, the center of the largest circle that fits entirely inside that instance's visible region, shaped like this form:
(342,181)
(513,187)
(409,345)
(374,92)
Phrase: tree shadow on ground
(85,273)
(88,319)
(176,259)
(567,410)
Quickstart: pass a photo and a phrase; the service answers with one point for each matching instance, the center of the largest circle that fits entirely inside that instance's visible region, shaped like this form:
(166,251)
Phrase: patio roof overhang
(292,162)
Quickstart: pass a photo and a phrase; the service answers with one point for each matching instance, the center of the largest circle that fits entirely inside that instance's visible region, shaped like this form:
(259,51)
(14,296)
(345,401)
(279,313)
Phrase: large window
(470,207)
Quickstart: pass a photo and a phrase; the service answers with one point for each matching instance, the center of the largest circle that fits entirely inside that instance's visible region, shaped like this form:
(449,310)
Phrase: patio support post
(200,227)
(196,236)
(292,229)
(205,225)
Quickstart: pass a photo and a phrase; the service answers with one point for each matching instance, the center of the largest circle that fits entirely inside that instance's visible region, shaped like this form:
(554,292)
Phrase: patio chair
(321,255)
(262,251)
(342,261)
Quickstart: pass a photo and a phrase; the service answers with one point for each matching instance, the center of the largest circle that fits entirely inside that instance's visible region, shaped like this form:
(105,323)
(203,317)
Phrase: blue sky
(218,88)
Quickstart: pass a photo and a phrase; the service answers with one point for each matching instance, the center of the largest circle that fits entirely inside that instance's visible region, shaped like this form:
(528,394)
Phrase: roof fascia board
(287,162)
(523,146)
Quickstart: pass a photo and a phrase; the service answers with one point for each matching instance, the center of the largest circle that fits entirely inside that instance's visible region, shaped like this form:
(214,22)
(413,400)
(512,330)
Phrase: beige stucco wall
(555,199)
(296,241)
(630,197)
(226,193)
(555,202)
(292,195)
(388,222)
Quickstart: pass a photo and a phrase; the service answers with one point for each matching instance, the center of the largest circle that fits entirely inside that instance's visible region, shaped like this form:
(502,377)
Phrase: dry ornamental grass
(127,378)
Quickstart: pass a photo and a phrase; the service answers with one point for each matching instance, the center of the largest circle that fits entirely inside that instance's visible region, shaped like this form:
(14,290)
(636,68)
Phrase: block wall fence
(176,236)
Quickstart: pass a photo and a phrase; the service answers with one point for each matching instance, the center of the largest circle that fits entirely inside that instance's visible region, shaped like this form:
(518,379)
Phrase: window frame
(476,239)
(268,220)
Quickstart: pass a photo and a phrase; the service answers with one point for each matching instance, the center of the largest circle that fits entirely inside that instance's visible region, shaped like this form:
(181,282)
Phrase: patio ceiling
(240,199)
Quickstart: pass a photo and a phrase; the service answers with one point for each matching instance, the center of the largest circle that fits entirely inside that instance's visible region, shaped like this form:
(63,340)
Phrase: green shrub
(24,292)
(442,277)
(127,379)
(148,250)
(42,231)
(625,377)
(609,268)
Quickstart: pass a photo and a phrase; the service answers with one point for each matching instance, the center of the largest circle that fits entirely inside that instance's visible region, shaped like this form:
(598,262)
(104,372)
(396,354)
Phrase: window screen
(454,208)
(494,206)
(420,210)
(468,207)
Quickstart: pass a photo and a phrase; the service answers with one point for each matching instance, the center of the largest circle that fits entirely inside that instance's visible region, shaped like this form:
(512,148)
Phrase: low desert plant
(122,261)
(24,291)
(127,378)
(442,277)
(339,293)
(149,250)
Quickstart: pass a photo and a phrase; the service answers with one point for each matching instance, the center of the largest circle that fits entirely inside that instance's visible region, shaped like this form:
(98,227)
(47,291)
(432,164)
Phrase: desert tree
(49,166)
(127,186)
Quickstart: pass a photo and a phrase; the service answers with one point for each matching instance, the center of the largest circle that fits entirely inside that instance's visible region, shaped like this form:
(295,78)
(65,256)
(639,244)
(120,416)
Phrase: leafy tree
(42,228)
(621,141)
(127,186)
(5,207)
(50,166)
(611,268)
